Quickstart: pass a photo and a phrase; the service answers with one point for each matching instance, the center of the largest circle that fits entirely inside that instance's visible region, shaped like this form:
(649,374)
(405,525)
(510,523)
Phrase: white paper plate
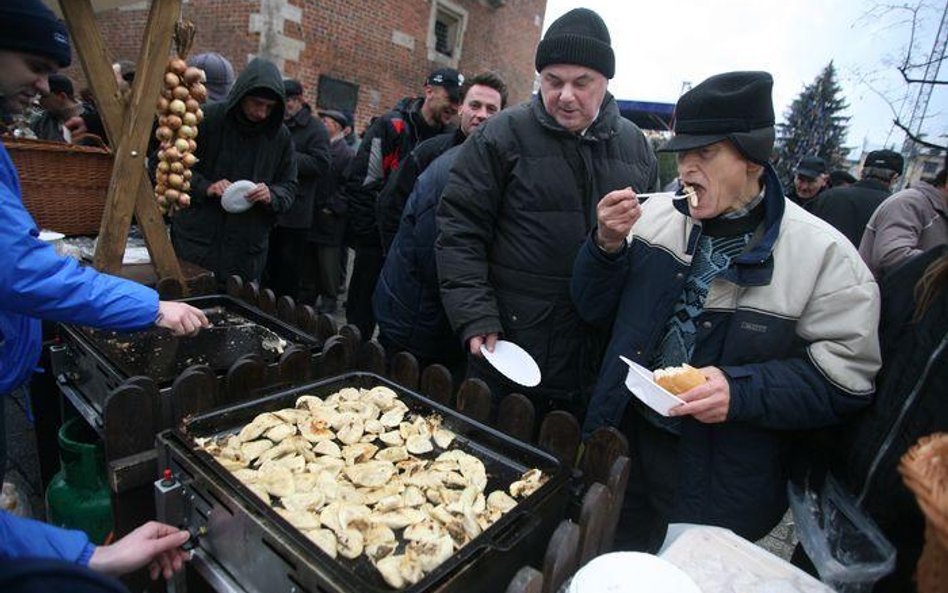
(513,362)
(642,385)
(234,200)
(631,572)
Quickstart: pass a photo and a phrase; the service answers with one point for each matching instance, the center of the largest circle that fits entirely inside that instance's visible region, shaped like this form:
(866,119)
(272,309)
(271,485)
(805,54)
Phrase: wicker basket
(924,469)
(64,186)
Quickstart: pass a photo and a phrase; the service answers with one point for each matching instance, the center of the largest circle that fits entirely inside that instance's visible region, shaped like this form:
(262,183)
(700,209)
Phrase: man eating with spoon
(771,304)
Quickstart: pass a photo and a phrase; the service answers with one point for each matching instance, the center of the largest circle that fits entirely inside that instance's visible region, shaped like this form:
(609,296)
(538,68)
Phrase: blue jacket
(26,538)
(792,324)
(36,283)
(407,301)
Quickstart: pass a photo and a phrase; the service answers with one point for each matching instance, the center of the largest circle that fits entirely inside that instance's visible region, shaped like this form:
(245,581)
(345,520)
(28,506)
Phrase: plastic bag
(848,549)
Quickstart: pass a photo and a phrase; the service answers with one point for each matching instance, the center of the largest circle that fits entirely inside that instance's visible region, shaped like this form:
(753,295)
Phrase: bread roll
(677,380)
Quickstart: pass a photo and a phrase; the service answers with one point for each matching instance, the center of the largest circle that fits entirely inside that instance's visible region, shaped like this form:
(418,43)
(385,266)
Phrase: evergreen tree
(814,125)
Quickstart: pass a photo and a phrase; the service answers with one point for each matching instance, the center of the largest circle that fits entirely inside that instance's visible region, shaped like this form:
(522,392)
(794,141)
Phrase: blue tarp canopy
(648,115)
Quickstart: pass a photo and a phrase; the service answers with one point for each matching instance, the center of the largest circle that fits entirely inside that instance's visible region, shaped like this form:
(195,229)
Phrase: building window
(445,32)
(337,94)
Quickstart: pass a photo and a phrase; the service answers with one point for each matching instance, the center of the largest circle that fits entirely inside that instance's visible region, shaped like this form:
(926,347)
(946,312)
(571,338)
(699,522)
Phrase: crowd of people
(814,314)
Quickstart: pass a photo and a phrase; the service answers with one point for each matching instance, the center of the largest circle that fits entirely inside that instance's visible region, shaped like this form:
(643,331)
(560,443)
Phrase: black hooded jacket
(233,148)
(311,141)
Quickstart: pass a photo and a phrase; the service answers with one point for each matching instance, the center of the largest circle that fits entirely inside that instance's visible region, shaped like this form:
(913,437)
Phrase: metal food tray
(486,563)
(158,354)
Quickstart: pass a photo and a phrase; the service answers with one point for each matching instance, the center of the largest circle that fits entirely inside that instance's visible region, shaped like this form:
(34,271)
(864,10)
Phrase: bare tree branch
(915,138)
(904,72)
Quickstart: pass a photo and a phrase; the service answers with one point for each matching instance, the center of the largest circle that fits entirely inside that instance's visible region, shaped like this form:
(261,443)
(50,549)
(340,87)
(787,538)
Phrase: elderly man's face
(22,77)
(808,187)
(723,179)
(572,94)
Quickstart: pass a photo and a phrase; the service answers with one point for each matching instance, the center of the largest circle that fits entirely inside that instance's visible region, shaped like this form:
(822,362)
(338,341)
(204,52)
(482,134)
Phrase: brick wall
(348,40)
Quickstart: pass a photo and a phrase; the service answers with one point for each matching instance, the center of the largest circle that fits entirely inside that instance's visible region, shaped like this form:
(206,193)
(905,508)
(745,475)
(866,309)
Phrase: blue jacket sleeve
(597,282)
(36,282)
(26,538)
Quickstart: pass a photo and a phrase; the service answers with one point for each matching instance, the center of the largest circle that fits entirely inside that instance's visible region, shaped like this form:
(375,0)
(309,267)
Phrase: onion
(187,174)
(166,94)
(177,65)
(186,186)
(172,154)
(175,181)
(171,80)
(163,167)
(193,107)
(181,145)
(200,115)
(164,133)
(184,200)
(189,160)
(180,92)
(193,75)
(186,131)
(189,119)
(173,122)
(199,92)
(161,189)
(177,107)
(192,145)
(177,167)
(162,104)
(162,202)
(172,195)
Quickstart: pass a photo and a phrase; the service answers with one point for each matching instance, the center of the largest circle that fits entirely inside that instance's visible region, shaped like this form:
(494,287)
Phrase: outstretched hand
(475,343)
(153,544)
(181,318)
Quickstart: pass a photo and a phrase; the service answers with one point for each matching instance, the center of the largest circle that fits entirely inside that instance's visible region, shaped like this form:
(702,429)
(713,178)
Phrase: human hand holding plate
(513,362)
(234,199)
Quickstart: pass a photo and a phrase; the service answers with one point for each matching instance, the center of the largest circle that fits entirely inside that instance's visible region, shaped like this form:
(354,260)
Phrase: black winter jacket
(406,302)
(230,147)
(330,206)
(909,403)
(311,143)
(385,145)
(850,208)
(520,200)
(402,181)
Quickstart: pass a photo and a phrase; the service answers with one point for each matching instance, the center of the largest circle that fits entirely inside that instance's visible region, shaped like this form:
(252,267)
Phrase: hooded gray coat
(231,147)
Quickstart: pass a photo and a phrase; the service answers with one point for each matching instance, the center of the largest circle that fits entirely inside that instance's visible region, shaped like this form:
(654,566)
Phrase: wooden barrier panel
(267,302)
(474,399)
(169,288)
(193,391)
(562,556)
(235,287)
(593,516)
(371,358)
(527,580)
(248,373)
(335,358)
(437,384)
(516,416)
(294,367)
(560,435)
(286,309)
(306,321)
(404,370)
(251,293)
(617,482)
(325,327)
(604,446)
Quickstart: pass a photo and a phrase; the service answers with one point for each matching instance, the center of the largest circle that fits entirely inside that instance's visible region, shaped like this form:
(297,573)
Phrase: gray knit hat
(219,73)
(578,37)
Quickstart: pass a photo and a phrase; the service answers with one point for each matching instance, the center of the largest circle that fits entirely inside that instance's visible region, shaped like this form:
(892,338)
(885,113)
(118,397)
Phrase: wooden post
(128,126)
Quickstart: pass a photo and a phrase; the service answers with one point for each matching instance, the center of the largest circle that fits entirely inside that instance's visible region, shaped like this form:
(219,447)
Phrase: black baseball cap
(885,159)
(812,167)
(450,79)
(292,87)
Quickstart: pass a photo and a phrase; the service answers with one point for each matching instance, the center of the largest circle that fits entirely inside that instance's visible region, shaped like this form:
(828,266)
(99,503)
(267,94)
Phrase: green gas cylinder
(78,495)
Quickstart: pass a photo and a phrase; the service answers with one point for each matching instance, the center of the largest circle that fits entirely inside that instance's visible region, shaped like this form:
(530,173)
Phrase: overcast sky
(660,44)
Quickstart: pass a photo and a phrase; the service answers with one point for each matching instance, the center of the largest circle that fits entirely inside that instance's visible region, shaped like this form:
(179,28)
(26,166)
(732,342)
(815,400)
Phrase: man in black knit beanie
(520,200)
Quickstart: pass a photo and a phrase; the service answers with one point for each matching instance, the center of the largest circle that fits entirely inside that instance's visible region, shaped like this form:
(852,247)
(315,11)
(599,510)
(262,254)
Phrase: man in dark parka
(240,138)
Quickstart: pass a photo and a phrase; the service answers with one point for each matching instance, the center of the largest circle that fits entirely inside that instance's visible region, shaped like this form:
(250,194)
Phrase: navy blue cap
(30,27)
